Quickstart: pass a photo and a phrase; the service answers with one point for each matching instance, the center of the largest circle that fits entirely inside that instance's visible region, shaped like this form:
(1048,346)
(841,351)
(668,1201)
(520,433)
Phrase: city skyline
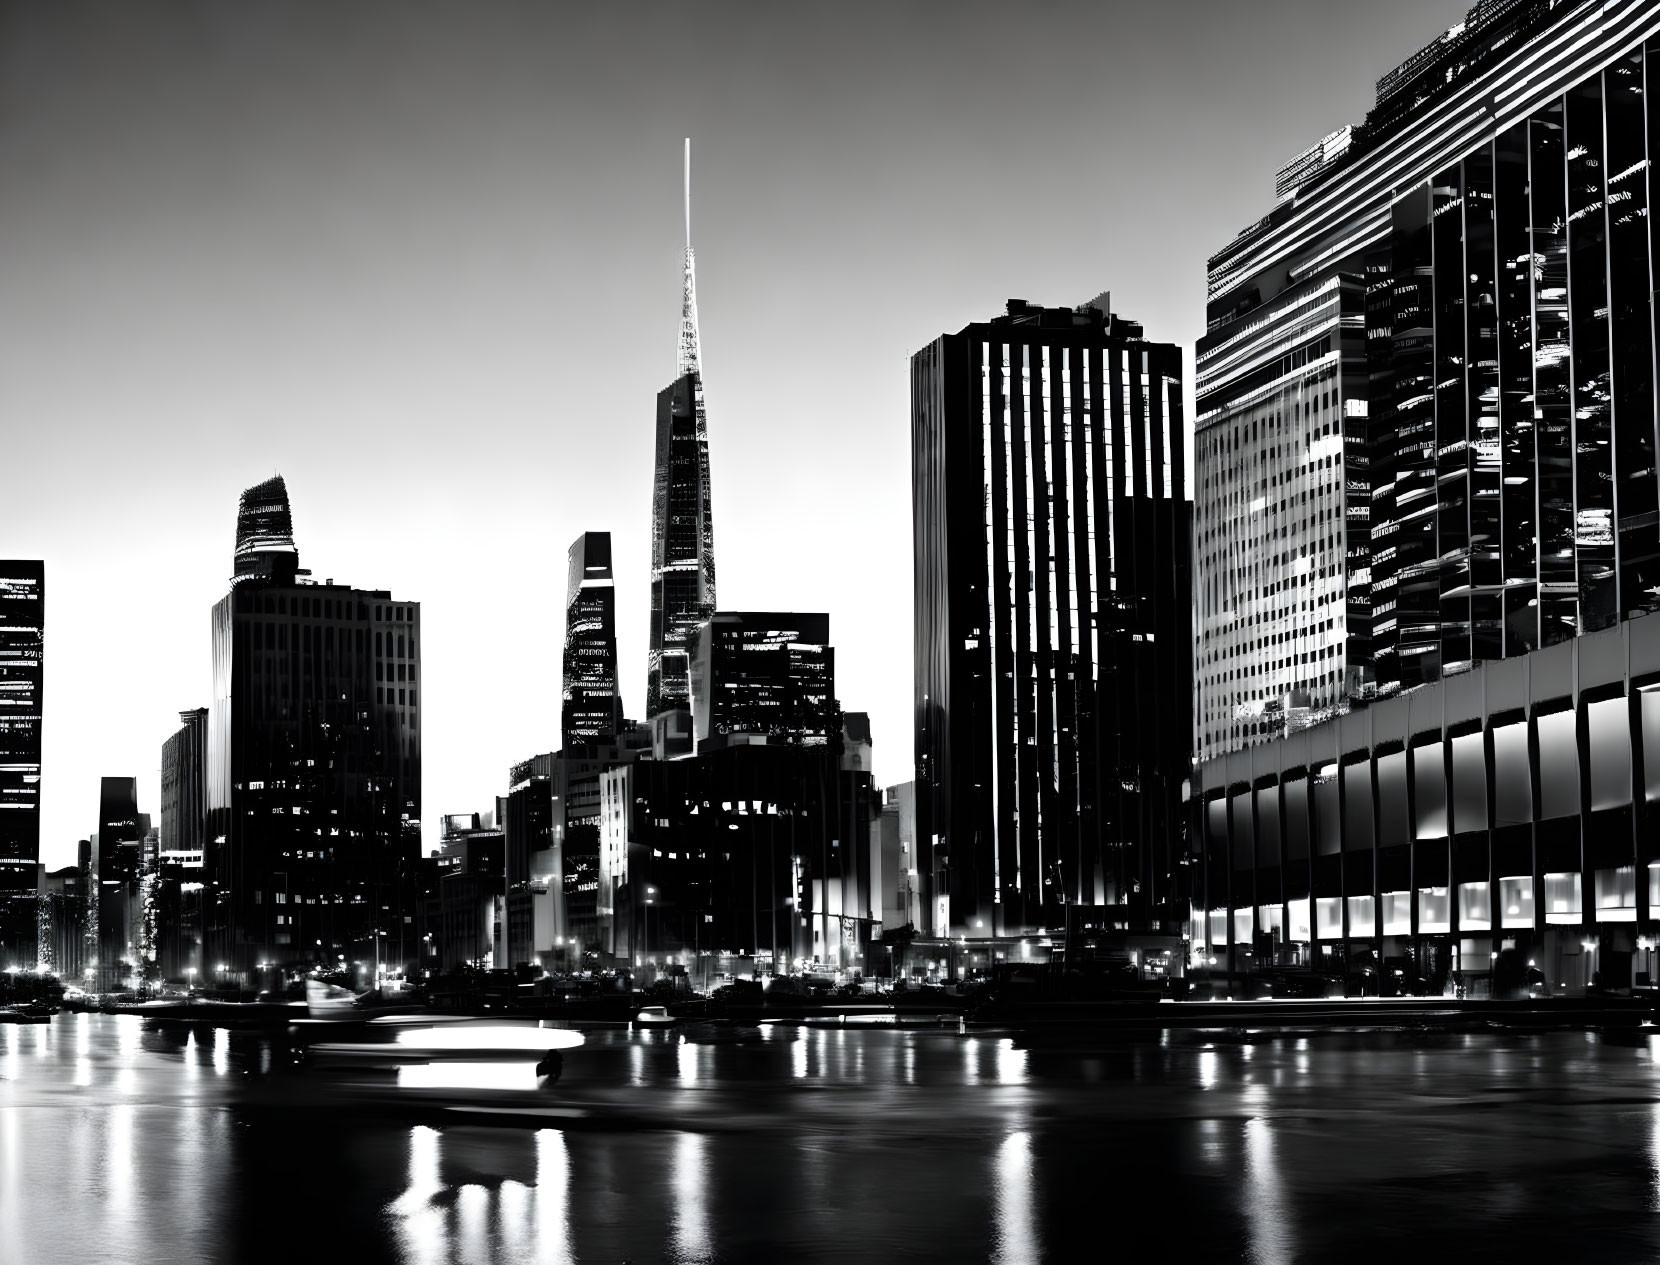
(407,289)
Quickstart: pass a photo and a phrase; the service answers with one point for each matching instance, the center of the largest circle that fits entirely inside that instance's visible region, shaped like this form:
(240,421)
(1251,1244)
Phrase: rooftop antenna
(688,193)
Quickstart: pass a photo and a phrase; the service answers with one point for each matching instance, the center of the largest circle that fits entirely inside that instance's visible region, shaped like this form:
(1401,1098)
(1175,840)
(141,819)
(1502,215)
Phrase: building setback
(1053,646)
(314,759)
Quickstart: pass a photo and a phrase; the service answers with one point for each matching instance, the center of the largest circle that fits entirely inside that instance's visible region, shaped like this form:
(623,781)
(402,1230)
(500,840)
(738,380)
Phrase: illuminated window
(1516,902)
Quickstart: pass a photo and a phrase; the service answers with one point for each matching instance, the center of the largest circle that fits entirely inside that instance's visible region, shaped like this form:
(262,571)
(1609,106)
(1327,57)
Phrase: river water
(124,1143)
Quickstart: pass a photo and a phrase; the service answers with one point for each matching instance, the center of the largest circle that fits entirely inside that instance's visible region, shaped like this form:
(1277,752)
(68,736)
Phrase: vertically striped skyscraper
(1053,628)
(682,531)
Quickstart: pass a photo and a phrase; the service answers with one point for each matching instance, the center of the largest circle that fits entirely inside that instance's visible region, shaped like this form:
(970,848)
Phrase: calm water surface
(124,1143)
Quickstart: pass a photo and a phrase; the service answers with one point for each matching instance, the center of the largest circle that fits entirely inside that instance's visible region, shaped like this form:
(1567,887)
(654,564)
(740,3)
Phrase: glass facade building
(682,529)
(1409,411)
(314,770)
(22,675)
(1053,623)
(1489,228)
(592,708)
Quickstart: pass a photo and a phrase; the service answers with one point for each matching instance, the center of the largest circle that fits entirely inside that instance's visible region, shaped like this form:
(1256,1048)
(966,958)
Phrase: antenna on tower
(688,193)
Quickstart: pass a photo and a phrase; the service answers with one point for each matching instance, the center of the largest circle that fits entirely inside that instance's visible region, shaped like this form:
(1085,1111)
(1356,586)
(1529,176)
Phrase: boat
(712,1032)
(406,1044)
(25,1014)
(655,1017)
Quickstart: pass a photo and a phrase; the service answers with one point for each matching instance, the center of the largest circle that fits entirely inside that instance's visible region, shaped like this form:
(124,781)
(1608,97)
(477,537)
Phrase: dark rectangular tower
(120,838)
(592,707)
(1053,620)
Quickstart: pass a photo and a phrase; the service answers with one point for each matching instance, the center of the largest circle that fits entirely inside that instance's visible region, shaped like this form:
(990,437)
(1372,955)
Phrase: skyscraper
(1485,235)
(1411,452)
(682,530)
(173,909)
(314,759)
(22,625)
(120,837)
(592,707)
(1053,647)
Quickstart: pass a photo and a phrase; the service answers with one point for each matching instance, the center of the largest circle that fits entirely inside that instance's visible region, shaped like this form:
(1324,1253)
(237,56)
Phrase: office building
(1491,216)
(763,678)
(314,761)
(22,667)
(1053,647)
(61,924)
(742,858)
(173,909)
(534,910)
(120,839)
(592,706)
(682,529)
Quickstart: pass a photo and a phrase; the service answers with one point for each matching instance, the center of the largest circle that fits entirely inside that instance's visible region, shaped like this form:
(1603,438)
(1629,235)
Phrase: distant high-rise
(120,839)
(22,623)
(1053,630)
(682,531)
(592,707)
(173,902)
(314,759)
(184,787)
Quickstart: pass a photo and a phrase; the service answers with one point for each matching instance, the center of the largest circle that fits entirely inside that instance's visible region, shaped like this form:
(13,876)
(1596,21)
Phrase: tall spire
(689,358)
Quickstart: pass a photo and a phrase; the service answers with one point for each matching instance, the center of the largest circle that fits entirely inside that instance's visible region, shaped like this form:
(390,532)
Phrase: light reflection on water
(553,1207)
(1016,1240)
(852,1145)
(1267,1218)
(689,1239)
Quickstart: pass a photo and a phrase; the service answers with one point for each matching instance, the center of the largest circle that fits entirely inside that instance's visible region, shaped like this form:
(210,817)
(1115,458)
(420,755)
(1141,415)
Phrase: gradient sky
(424,260)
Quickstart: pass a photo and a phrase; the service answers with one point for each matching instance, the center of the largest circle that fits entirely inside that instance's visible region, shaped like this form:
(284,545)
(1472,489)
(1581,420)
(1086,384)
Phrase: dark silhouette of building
(120,840)
(173,909)
(531,874)
(62,924)
(1490,785)
(1053,618)
(682,529)
(314,762)
(747,857)
(763,678)
(592,706)
(463,895)
(22,620)
(22,664)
